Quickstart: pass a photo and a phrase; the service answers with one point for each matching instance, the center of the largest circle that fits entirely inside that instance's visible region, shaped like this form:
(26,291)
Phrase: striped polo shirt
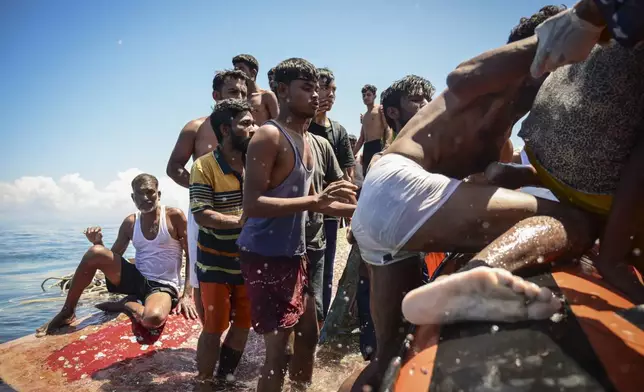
(215,186)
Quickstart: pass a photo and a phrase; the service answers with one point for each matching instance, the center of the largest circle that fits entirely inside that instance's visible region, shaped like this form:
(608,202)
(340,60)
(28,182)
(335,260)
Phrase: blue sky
(100,87)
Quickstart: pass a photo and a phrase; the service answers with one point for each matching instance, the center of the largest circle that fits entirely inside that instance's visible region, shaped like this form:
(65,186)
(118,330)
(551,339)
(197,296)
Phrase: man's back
(205,139)
(587,117)
(261,105)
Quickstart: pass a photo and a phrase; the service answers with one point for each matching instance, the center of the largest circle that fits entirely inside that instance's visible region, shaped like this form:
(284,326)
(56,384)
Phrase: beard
(148,210)
(240,143)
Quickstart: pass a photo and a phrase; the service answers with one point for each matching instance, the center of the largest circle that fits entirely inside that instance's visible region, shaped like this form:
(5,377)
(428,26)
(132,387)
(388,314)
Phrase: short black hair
(526,26)
(326,76)
(247,59)
(144,178)
(271,80)
(353,138)
(405,87)
(224,113)
(220,78)
(295,68)
(369,87)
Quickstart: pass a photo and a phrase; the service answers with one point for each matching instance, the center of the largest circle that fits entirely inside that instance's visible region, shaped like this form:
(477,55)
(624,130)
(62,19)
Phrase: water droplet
(557,317)
(637,252)
(540,259)
(458,360)
(266,265)
(275,332)
(339,345)
(272,372)
(230,377)
(486,225)
(367,388)
(597,241)
(254,159)
(259,272)
(211,308)
(411,372)
(397,361)
(210,146)
(495,328)
(429,135)
(288,120)
(368,349)
(517,362)
(299,334)
(410,337)
(361,281)
(270,232)
(295,188)
(346,299)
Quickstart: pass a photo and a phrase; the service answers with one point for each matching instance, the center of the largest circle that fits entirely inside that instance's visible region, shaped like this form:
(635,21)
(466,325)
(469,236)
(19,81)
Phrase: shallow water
(30,254)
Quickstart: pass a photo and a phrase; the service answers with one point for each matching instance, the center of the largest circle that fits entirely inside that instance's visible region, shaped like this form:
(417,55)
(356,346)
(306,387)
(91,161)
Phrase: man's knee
(154,317)
(97,254)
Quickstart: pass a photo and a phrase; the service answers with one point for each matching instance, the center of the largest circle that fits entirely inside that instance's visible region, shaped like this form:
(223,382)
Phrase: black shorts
(134,283)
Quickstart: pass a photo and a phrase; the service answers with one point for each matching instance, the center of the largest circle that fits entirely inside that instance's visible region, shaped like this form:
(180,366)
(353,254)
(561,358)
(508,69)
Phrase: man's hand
(350,238)
(94,235)
(186,306)
(564,39)
(342,191)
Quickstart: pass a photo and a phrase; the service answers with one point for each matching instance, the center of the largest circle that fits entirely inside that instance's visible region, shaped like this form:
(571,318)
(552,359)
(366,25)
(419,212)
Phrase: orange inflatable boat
(595,344)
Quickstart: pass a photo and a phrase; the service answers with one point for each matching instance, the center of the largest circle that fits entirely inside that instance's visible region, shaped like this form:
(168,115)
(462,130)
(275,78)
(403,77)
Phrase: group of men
(264,200)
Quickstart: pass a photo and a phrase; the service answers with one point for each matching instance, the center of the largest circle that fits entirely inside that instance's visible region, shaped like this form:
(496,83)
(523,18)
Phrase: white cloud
(73,198)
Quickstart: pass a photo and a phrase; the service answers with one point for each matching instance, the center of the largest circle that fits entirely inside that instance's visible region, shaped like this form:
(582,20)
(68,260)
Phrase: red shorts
(276,288)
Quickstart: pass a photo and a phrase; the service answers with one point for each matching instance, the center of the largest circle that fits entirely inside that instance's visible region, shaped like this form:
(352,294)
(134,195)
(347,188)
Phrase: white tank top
(158,259)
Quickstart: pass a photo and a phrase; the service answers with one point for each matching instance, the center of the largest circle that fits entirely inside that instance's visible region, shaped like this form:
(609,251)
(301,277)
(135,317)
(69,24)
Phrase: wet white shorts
(398,196)
(193,233)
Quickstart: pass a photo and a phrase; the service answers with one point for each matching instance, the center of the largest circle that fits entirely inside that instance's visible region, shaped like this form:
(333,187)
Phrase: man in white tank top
(159,237)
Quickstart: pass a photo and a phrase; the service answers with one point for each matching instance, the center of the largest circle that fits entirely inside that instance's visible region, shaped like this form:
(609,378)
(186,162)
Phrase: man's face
(241,129)
(368,98)
(410,105)
(327,96)
(146,197)
(232,88)
(251,73)
(302,97)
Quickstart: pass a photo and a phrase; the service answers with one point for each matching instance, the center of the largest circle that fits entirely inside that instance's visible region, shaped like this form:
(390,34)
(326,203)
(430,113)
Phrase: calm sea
(30,254)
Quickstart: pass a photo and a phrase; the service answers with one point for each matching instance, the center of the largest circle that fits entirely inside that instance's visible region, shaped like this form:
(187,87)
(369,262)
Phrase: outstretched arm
(493,71)
(183,149)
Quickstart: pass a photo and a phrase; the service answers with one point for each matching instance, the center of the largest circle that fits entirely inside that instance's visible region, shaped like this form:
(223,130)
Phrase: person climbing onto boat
(264,102)
(216,201)
(158,234)
(375,134)
(195,140)
(277,194)
(455,135)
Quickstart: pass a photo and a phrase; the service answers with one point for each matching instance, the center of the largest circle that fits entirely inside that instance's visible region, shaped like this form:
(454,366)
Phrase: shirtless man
(153,279)
(457,134)
(195,140)
(374,129)
(264,102)
(277,192)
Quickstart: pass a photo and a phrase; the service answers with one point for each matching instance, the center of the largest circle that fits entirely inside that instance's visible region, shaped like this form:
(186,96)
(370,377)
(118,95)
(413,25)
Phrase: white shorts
(193,233)
(398,196)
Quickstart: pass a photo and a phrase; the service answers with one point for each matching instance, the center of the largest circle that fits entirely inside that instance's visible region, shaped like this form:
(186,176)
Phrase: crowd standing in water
(261,232)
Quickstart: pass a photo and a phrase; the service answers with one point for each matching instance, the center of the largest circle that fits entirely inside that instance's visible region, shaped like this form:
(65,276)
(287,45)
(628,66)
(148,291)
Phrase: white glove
(563,39)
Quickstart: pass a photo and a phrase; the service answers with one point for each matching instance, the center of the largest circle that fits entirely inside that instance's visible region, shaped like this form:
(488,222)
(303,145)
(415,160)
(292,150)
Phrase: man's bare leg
(307,335)
(489,294)
(208,348)
(156,309)
(274,369)
(475,215)
(96,258)
(388,286)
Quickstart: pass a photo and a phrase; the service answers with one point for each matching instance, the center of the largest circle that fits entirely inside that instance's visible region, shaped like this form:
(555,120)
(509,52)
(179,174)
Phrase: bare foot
(60,320)
(481,294)
(118,306)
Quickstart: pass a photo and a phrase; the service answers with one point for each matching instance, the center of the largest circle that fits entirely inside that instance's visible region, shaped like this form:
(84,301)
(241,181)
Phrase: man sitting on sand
(458,134)
(264,102)
(158,234)
(195,140)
